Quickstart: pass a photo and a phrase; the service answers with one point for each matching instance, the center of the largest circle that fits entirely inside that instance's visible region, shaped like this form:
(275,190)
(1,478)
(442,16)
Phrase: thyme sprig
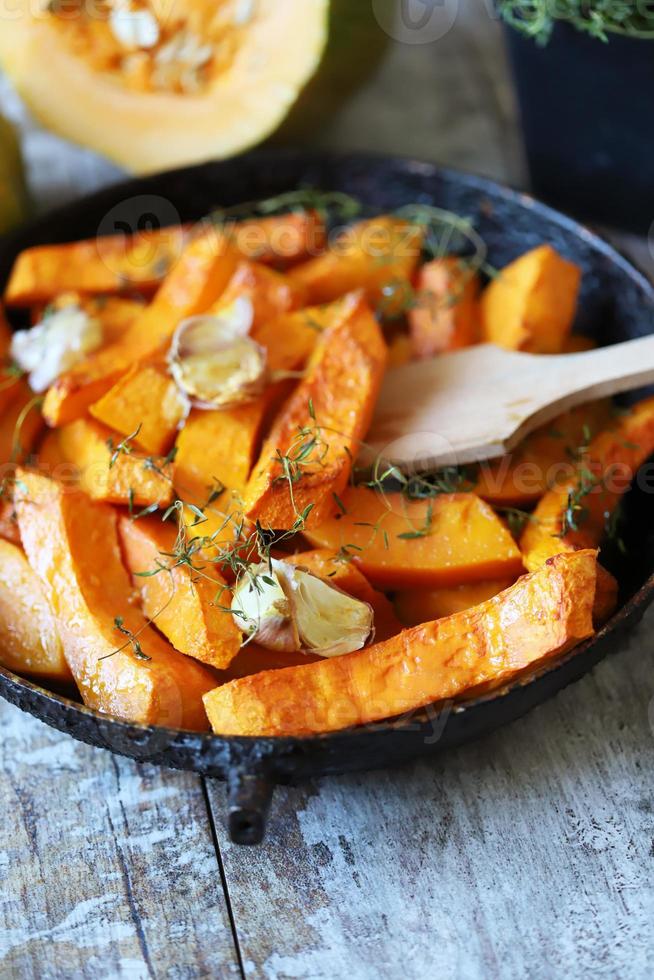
(124,448)
(327,203)
(598,18)
(132,641)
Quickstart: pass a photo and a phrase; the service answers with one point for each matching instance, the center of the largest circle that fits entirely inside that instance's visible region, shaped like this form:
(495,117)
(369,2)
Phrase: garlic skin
(262,610)
(214,361)
(61,340)
(288,609)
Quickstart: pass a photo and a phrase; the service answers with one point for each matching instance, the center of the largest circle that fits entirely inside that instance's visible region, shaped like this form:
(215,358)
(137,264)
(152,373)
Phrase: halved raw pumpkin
(163,86)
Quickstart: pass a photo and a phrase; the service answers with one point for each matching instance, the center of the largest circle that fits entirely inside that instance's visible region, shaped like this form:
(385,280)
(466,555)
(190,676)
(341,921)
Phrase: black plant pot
(586,114)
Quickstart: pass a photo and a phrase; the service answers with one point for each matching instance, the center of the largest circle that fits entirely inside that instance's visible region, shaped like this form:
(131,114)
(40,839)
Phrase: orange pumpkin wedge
(320,428)
(398,543)
(281,239)
(521,479)
(417,606)
(186,604)
(218,448)
(446,315)
(111,264)
(21,423)
(72,544)
(539,618)
(8,520)
(145,401)
(290,339)
(531,304)
(271,293)
(194,284)
(378,256)
(105,471)
(575,512)
(29,639)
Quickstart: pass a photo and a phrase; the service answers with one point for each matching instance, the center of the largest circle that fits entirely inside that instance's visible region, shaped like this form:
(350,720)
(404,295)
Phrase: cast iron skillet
(617,303)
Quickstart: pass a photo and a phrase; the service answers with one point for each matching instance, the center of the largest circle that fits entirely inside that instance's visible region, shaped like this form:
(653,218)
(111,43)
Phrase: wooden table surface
(528,854)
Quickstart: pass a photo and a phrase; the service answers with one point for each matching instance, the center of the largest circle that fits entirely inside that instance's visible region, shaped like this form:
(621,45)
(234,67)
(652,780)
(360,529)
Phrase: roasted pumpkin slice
(397,543)
(104,465)
(145,402)
(8,520)
(120,663)
(193,285)
(271,293)
(577,511)
(111,264)
(307,458)
(531,304)
(378,256)
(152,91)
(29,638)
(545,456)
(20,422)
(417,606)
(187,604)
(445,315)
(280,240)
(540,617)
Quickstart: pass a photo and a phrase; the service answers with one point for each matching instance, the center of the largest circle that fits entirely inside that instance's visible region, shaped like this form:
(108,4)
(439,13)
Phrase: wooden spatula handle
(607,371)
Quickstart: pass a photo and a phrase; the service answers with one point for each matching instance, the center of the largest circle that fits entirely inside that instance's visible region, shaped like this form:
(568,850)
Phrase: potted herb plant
(584,71)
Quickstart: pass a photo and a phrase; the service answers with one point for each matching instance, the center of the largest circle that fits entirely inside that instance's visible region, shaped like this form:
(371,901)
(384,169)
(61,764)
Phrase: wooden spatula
(479,403)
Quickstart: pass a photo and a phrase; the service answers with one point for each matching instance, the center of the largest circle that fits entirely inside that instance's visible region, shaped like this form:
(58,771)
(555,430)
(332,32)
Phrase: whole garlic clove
(288,609)
(214,361)
(329,621)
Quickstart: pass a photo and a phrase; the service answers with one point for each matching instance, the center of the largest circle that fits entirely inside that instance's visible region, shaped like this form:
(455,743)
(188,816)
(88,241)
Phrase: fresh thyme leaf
(146,512)
(215,492)
(515,518)
(132,640)
(575,513)
(123,448)
(199,515)
(423,531)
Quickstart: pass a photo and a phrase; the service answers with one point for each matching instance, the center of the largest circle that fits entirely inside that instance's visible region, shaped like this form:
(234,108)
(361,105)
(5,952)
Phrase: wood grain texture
(530,854)
(107,868)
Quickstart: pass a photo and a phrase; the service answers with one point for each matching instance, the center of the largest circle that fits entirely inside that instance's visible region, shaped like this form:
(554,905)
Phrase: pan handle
(250,794)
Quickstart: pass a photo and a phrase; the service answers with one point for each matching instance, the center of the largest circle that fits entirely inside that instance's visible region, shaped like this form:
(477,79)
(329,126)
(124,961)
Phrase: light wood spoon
(480,402)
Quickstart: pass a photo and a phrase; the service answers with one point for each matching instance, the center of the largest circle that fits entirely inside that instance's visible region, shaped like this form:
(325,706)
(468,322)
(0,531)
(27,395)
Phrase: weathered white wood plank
(528,854)
(107,868)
